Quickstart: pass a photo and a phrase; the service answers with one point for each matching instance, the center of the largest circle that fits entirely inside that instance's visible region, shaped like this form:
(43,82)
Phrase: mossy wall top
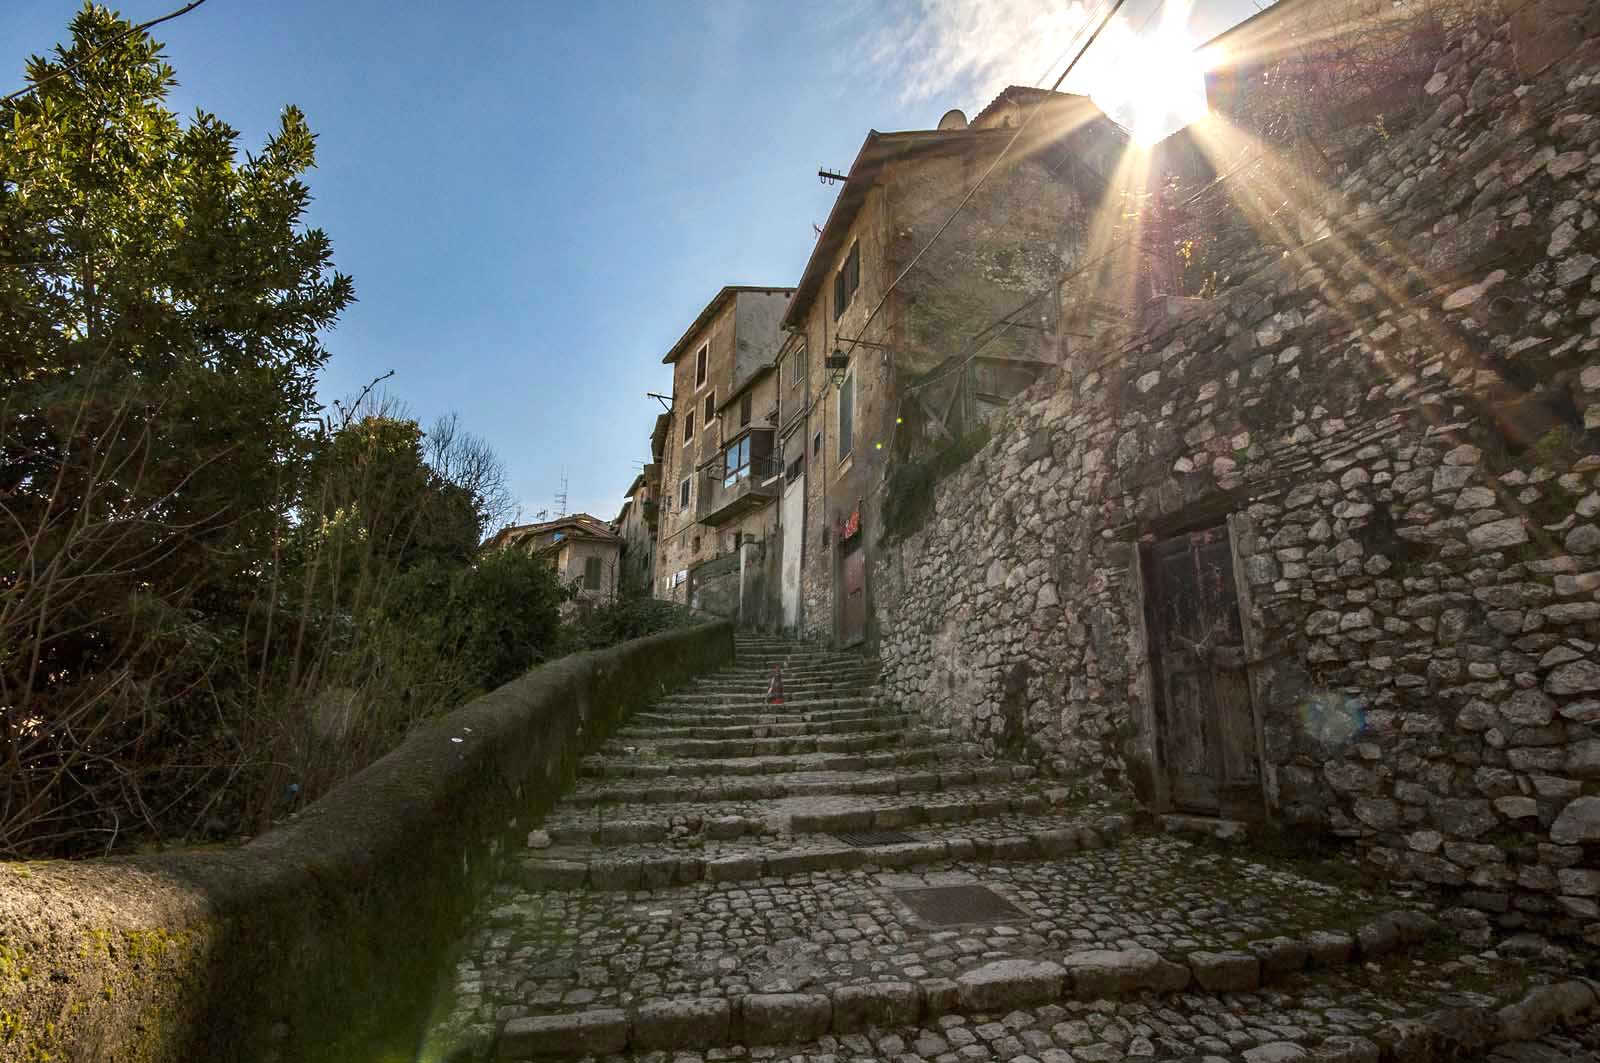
(321,939)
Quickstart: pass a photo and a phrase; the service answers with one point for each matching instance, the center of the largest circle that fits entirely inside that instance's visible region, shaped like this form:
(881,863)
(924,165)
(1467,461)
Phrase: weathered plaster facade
(738,335)
(1393,418)
(1024,226)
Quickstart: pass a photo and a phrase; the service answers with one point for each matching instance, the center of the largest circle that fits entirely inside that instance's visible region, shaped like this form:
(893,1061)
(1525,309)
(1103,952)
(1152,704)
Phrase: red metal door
(1202,691)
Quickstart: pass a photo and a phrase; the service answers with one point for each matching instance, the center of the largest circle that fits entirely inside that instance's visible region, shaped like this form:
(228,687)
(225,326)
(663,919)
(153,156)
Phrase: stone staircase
(730,874)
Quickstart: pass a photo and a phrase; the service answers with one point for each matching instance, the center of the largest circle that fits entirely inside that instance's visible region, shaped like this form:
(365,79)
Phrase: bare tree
(467,461)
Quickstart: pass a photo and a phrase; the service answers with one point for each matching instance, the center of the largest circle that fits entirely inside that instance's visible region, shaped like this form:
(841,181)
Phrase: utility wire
(95,52)
(1105,21)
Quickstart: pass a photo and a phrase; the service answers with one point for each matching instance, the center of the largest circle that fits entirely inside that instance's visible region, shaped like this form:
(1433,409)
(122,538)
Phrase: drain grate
(863,839)
(952,905)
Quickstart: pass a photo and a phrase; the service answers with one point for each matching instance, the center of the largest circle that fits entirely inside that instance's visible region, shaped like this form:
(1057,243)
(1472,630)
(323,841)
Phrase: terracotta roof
(583,524)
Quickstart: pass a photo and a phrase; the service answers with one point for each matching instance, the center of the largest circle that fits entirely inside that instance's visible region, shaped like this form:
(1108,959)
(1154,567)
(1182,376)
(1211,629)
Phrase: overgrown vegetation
(217,597)
(908,499)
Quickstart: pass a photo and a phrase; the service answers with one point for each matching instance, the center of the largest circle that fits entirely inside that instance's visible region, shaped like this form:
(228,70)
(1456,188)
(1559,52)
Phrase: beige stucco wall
(572,559)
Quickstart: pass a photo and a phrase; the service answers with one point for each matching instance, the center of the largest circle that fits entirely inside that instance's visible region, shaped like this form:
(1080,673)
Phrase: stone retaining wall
(322,939)
(1393,404)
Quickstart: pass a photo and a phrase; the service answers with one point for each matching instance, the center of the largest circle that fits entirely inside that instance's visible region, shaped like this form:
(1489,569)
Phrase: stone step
(747,702)
(728,748)
(634,767)
(789,816)
(1093,926)
(1058,1011)
(791,673)
(766,714)
(669,791)
(843,724)
(757,692)
(657,865)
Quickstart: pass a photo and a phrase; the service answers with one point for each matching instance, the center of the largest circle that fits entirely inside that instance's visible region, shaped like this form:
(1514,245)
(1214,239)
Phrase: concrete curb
(1002,985)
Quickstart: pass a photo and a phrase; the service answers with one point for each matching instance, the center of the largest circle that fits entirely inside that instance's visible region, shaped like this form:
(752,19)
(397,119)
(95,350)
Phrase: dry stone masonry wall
(1397,418)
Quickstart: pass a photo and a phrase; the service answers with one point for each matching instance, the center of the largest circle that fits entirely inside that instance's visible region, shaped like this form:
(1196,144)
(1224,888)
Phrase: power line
(95,52)
(1037,107)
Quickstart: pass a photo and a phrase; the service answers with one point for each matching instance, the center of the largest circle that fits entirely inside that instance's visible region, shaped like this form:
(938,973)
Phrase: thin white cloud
(962,53)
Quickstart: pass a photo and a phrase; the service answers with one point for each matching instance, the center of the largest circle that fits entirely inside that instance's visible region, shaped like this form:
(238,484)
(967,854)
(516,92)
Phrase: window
(736,462)
(683,494)
(591,573)
(816,444)
(847,280)
(697,544)
(688,428)
(796,467)
(847,415)
(711,408)
(797,365)
(745,405)
(700,366)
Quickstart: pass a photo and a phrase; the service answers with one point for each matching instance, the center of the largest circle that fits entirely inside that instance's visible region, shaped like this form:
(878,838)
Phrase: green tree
(161,305)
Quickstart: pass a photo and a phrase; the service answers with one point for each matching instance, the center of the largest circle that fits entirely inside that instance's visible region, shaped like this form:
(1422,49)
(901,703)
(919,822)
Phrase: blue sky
(535,199)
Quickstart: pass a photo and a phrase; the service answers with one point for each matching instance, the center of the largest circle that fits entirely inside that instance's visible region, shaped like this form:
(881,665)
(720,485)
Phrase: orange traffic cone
(775,688)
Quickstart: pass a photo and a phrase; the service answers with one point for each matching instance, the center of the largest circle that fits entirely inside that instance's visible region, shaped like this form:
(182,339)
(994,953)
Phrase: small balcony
(745,477)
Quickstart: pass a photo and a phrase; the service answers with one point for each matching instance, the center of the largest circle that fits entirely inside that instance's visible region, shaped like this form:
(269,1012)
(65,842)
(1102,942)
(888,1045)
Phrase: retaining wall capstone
(322,939)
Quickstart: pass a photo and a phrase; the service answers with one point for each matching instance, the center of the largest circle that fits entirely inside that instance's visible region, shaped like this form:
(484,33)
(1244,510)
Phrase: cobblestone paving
(1338,1016)
(575,954)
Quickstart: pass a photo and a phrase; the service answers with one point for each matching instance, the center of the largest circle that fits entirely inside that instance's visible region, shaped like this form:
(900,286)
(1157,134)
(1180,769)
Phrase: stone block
(883,1004)
(1378,938)
(553,874)
(1006,985)
(803,861)
(1057,842)
(1578,823)
(1015,848)
(1226,972)
(674,1024)
(601,1032)
(783,1018)
(1329,948)
(1281,955)
(906,854)
(658,872)
(614,873)
(1101,973)
(940,996)
(1346,1050)
(1275,1052)
(733,868)
(1543,1007)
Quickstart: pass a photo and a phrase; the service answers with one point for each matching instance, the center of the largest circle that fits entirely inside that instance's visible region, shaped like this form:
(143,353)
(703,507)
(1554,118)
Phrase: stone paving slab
(1428,1007)
(550,951)
(950,775)
(638,766)
(799,813)
(628,860)
(847,742)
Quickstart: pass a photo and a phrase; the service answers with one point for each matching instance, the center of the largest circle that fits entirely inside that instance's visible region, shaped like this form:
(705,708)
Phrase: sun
(1150,78)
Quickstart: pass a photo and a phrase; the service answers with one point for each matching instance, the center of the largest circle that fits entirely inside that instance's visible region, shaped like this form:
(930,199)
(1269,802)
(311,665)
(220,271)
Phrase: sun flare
(1152,79)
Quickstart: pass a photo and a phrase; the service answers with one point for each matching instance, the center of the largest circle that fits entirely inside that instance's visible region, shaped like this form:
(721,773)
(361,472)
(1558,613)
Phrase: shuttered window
(847,415)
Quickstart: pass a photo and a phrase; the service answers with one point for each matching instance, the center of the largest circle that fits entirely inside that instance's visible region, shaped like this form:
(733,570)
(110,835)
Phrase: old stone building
(845,402)
(1321,547)
(705,515)
(585,552)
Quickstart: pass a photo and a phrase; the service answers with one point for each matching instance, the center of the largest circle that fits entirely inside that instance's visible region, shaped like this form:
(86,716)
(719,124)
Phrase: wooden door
(1207,731)
(853,591)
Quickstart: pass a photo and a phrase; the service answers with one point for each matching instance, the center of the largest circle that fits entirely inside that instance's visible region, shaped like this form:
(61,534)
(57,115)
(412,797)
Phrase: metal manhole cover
(864,839)
(950,905)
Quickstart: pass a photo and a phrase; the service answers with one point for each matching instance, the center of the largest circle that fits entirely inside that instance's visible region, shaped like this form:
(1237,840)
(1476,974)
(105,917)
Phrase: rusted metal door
(853,592)
(1207,731)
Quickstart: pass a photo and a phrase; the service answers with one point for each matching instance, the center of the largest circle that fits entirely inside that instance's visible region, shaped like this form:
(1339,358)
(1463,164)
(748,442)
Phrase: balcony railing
(728,493)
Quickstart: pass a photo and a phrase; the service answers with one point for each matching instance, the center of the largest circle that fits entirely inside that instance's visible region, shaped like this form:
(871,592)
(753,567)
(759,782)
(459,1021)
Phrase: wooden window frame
(702,359)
